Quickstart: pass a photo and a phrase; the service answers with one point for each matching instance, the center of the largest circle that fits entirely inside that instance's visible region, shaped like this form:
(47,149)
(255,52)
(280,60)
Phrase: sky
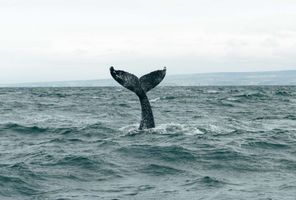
(59,40)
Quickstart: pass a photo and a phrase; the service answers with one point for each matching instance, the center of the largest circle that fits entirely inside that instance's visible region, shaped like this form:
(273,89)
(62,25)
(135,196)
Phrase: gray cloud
(64,40)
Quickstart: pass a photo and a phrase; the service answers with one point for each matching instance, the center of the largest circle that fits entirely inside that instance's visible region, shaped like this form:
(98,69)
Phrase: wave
(206,181)
(33,129)
(291,117)
(268,145)
(124,105)
(78,161)
(22,129)
(211,92)
(166,153)
(81,164)
(168,98)
(225,154)
(155,100)
(283,93)
(174,128)
(223,103)
(16,185)
(160,170)
(252,96)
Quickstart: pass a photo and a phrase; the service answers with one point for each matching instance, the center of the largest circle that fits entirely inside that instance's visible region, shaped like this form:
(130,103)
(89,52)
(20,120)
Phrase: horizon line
(104,79)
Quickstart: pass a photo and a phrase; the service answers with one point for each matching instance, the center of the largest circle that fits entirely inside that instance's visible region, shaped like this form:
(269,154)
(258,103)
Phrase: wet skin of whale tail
(140,86)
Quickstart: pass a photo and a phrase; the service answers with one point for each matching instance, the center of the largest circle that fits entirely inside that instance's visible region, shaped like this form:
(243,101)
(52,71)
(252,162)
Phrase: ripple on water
(205,181)
(172,154)
(160,170)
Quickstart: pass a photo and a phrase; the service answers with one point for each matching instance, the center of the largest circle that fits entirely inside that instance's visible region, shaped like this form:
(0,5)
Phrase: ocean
(209,143)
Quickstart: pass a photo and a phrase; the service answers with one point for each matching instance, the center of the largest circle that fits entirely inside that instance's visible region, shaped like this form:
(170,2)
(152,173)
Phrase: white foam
(154,100)
(232,99)
(169,128)
(212,92)
(175,128)
(129,128)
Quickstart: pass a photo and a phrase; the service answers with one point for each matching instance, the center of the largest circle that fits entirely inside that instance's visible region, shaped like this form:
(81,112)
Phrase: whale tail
(138,85)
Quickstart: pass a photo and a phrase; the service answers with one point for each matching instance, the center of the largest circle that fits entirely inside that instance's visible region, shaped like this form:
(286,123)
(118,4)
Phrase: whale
(140,86)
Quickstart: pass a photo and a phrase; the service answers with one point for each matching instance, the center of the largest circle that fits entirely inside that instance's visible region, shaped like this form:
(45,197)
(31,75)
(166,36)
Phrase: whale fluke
(151,80)
(140,87)
(126,79)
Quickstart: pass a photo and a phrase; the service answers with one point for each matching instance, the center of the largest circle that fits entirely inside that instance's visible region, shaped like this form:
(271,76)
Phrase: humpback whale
(140,86)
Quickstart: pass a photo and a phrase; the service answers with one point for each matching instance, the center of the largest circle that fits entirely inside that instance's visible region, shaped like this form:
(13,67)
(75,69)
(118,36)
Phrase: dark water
(209,143)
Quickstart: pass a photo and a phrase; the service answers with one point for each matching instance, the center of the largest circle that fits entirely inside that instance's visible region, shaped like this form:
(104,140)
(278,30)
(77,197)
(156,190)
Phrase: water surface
(209,143)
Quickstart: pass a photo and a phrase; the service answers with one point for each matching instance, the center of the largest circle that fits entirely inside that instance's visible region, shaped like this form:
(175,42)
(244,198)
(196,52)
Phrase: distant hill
(223,78)
(235,78)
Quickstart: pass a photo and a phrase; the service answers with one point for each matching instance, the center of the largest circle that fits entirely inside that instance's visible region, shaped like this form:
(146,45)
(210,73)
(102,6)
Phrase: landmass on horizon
(287,77)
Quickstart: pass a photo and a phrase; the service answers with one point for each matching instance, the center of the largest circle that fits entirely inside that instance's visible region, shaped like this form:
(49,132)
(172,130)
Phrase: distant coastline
(287,77)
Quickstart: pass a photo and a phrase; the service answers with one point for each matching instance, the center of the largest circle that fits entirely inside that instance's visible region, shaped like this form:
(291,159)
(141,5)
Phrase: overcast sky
(50,40)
